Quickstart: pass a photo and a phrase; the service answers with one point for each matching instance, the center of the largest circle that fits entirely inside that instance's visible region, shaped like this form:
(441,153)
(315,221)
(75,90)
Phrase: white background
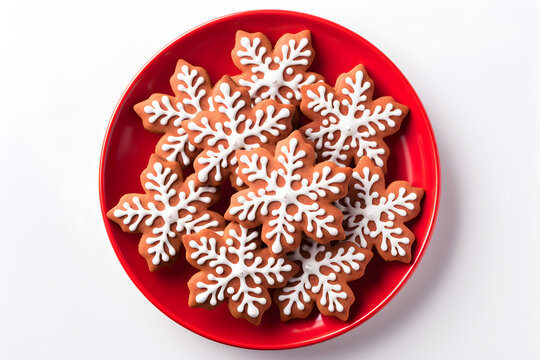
(64,65)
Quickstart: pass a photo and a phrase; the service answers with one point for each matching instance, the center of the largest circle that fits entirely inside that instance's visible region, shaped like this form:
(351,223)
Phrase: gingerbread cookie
(288,194)
(233,125)
(277,73)
(325,271)
(236,268)
(347,122)
(164,114)
(375,215)
(169,208)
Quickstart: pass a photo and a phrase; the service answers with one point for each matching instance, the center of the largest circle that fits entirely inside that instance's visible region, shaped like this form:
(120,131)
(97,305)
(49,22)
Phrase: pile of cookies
(311,201)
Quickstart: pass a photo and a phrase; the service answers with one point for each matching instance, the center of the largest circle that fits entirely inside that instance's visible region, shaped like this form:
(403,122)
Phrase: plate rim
(296,343)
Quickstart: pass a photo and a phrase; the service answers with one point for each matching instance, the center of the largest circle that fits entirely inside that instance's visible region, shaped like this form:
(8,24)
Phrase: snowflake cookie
(234,124)
(375,215)
(288,194)
(234,267)
(164,114)
(325,271)
(169,209)
(277,73)
(346,122)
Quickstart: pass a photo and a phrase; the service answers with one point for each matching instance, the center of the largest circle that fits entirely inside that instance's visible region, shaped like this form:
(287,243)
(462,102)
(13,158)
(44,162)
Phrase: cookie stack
(311,201)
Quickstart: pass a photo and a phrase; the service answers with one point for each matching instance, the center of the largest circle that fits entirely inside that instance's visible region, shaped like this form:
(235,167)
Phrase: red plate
(127,148)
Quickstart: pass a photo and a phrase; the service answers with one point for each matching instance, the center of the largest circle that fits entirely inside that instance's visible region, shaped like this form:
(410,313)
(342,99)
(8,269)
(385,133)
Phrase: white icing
(245,265)
(339,127)
(282,187)
(297,292)
(272,70)
(163,111)
(369,209)
(234,133)
(161,181)
(177,146)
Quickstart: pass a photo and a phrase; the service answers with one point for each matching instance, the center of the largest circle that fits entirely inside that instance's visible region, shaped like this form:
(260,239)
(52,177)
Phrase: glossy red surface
(127,148)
